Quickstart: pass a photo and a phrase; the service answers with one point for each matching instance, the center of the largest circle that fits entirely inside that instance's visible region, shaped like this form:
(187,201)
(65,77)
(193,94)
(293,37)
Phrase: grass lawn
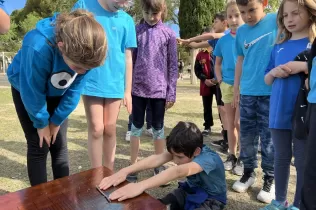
(13,171)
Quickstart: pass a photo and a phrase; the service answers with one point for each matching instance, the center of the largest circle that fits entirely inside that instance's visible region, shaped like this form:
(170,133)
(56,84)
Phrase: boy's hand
(278,72)
(128,191)
(236,100)
(169,104)
(183,41)
(209,83)
(127,101)
(53,131)
(113,180)
(44,134)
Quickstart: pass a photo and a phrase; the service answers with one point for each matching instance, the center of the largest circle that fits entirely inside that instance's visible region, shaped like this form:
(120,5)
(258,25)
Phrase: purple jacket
(155,69)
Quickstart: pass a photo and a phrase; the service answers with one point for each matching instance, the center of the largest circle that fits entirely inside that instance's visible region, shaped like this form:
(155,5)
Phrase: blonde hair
(84,40)
(155,6)
(283,34)
(230,3)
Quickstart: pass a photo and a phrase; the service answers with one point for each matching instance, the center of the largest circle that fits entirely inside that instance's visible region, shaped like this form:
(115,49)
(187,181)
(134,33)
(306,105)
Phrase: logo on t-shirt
(247,45)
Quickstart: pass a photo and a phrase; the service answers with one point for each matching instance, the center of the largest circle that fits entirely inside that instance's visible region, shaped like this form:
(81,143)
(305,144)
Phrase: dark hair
(155,6)
(245,2)
(221,16)
(184,138)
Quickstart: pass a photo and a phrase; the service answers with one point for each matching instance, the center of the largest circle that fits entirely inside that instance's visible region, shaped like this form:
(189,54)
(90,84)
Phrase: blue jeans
(283,145)
(254,123)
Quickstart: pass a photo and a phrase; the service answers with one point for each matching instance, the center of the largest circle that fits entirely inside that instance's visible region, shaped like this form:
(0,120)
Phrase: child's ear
(265,3)
(197,151)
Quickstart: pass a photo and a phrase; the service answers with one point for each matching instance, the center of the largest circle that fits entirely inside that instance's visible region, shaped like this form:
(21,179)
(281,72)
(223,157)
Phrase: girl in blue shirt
(295,33)
(110,83)
(47,77)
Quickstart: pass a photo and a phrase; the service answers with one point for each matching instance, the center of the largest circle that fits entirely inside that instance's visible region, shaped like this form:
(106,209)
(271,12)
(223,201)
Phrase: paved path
(4,80)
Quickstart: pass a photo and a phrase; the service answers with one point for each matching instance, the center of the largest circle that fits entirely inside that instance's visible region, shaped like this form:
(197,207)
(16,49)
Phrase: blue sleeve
(131,35)
(206,161)
(211,43)
(34,74)
(69,100)
(78,5)
(218,49)
(2,6)
(271,64)
(238,45)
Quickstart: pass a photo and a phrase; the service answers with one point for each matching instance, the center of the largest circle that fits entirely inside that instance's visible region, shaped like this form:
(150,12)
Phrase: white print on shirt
(280,50)
(62,80)
(255,41)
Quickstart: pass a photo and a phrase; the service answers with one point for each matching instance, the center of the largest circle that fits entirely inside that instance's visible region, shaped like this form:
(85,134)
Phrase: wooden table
(74,192)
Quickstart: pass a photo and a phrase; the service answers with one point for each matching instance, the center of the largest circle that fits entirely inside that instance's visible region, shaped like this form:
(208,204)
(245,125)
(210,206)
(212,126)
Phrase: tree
(273,6)
(195,15)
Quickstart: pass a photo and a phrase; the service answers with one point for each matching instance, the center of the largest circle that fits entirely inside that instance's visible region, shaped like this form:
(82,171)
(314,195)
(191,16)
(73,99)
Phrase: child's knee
(158,134)
(97,131)
(136,131)
(110,129)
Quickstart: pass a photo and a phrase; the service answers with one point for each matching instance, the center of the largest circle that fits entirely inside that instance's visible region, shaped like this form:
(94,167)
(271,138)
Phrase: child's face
(180,158)
(151,17)
(234,18)
(295,17)
(252,13)
(115,5)
(219,26)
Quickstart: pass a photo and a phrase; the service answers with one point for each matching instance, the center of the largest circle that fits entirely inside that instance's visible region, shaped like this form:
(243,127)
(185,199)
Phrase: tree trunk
(193,53)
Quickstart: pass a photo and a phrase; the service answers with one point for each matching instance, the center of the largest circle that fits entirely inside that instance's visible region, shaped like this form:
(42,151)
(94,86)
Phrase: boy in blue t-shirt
(254,43)
(205,187)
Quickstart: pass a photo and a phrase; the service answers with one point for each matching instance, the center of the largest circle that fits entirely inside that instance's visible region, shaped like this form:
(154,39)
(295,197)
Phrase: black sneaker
(230,163)
(133,178)
(224,147)
(218,143)
(206,132)
(247,180)
(159,170)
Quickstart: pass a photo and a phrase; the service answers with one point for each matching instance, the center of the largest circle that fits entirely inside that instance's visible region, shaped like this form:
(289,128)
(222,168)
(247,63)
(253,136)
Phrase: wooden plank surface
(74,192)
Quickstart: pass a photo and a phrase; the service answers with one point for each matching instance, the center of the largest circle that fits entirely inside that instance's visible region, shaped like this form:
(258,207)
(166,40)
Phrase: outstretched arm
(4,22)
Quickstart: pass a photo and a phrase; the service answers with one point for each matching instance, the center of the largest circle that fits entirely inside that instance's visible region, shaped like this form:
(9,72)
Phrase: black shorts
(216,90)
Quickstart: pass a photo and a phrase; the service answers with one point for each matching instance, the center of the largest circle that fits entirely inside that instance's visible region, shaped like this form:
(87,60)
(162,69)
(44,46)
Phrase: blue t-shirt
(284,90)
(39,71)
(108,81)
(212,178)
(9,6)
(312,84)
(255,44)
(225,49)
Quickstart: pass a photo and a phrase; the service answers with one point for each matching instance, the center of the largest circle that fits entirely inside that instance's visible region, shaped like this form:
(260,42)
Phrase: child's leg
(36,156)
(231,132)
(207,107)
(308,200)
(211,204)
(149,117)
(158,114)
(59,150)
(175,200)
(111,111)
(282,142)
(299,155)
(130,121)
(94,113)
(237,124)
(139,107)
(267,149)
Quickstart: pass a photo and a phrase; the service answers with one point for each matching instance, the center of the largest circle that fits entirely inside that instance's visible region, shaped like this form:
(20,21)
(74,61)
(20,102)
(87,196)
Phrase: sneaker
(292,208)
(224,148)
(132,178)
(238,168)
(247,180)
(230,163)
(149,132)
(267,193)
(159,170)
(275,205)
(128,136)
(206,132)
(218,143)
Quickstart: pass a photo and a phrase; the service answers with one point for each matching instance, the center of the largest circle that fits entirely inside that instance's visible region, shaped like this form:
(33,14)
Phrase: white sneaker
(246,181)
(267,193)
(230,163)
(239,168)
(149,132)
(128,136)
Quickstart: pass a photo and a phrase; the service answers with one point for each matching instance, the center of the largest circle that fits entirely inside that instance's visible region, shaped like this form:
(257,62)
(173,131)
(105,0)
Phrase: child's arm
(238,71)
(269,78)
(172,68)
(198,69)
(218,69)
(197,45)
(152,161)
(4,21)
(172,173)
(295,67)
(128,81)
(203,37)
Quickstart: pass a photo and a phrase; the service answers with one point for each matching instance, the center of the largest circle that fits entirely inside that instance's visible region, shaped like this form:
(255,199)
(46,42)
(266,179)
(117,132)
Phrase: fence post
(3,63)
